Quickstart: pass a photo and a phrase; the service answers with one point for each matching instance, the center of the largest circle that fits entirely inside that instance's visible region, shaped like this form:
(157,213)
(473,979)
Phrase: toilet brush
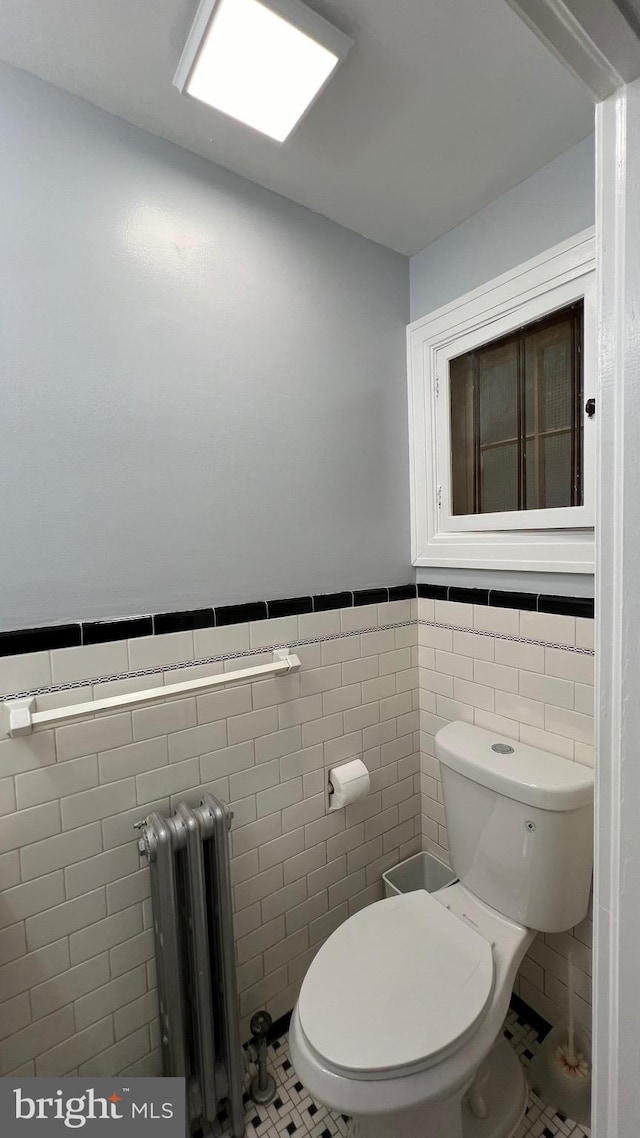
(572,1063)
(561,1071)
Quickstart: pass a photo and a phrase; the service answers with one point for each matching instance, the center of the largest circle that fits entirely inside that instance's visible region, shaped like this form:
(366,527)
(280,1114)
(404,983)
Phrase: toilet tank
(520,826)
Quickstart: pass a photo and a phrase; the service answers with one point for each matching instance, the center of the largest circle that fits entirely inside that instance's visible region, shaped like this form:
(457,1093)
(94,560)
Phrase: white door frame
(616,1102)
(595,41)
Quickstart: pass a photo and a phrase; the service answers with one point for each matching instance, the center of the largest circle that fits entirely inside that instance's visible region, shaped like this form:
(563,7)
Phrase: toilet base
(504,1091)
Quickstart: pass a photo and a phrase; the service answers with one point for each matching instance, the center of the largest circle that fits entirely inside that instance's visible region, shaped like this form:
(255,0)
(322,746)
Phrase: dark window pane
(516,437)
(498,394)
(462,414)
(499,479)
(532,498)
(548,365)
(557,466)
(556,385)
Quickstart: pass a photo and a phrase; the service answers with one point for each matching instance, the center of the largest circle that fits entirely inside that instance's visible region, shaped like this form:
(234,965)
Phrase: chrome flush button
(502,748)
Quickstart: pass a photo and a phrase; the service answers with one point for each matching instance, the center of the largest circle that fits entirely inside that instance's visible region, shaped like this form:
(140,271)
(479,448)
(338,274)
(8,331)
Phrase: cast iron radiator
(193,926)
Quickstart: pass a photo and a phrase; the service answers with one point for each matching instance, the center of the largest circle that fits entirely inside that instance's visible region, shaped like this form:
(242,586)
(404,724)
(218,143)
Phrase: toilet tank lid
(526,774)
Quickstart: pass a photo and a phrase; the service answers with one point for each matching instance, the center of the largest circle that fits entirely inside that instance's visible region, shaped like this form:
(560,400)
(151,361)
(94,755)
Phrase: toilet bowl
(403,1003)
(399,1012)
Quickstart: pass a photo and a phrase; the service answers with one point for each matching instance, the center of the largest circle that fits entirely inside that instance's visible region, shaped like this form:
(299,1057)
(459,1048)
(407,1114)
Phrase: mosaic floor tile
(293,1112)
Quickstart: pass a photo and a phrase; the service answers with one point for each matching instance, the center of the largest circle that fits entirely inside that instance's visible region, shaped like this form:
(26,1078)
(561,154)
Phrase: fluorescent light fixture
(261,63)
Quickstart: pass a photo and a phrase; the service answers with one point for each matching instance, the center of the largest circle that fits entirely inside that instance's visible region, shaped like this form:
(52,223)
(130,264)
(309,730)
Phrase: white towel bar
(23,718)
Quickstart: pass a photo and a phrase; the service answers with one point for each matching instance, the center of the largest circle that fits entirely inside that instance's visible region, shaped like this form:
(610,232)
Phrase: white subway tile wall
(77,976)
(539,693)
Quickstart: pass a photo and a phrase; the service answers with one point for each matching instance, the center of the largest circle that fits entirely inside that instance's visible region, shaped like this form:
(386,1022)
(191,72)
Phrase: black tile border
(370,596)
(402,592)
(292,607)
(433,592)
(279,1027)
(509,599)
(567,606)
(240,614)
(325,602)
(533,1018)
(468,596)
(527,602)
(40,639)
(74,635)
(105,631)
(164,622)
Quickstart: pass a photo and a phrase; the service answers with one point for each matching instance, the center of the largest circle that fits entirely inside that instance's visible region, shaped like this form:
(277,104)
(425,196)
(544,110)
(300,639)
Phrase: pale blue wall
(553,204)
(203,385)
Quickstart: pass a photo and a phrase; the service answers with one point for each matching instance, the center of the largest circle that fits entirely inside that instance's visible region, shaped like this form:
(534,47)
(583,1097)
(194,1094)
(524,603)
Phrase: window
(516,428)
(502,451)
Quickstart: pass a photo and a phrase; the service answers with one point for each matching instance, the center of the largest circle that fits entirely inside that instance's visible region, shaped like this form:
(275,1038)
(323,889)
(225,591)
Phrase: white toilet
(398,1023)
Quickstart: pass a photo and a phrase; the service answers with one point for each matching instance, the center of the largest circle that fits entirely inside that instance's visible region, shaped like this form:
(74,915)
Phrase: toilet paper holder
(347,783)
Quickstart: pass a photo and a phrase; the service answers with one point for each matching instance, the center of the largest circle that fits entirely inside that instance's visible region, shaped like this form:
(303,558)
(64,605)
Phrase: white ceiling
(441,106)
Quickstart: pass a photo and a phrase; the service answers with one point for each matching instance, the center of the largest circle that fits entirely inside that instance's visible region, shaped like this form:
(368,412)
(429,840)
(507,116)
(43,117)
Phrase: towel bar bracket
(20,712)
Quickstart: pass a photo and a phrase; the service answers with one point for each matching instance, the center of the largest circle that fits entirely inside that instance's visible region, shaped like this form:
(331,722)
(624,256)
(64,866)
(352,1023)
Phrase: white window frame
(553,540)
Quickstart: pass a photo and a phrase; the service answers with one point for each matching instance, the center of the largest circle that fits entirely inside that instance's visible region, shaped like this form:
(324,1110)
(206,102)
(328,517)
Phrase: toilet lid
(397,984)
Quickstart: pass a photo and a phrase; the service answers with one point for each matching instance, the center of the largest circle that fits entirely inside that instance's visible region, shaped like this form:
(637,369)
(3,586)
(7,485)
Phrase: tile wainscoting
(76,946)
(77,980)
(528,676)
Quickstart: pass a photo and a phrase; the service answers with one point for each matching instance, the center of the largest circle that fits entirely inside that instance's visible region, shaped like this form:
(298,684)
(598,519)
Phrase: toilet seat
(397,987)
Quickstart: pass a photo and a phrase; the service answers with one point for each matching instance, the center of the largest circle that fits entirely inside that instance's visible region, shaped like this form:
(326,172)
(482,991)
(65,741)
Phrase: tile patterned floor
(540,1121)
(293,1112)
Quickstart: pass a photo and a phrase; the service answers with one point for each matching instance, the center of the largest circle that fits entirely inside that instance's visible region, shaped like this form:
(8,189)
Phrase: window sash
(482,333)
(529,436)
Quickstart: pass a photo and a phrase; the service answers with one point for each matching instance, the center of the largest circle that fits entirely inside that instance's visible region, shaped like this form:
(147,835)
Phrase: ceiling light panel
(261,63)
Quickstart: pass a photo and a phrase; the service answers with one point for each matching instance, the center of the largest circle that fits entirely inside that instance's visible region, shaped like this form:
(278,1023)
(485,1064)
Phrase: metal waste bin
(422,871)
